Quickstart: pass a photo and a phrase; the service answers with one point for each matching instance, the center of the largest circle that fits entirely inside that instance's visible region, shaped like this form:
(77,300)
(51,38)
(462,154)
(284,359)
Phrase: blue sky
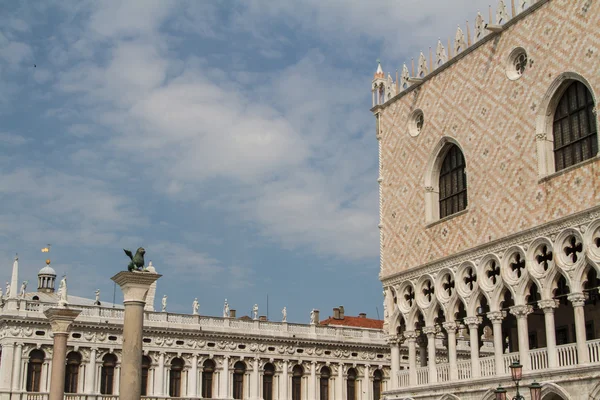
(232,139)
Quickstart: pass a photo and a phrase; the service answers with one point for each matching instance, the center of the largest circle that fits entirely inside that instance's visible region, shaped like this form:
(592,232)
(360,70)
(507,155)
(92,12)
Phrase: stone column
(60,319)
(159,384)
(6,363)
(224,392)
(283,395)
(450,328)
(90,379)
(422,351)
(430,332)
(367,381)
(411,339)
(395,367)
(521,312)
(193,378)
(312,385)
(473,323)
(16,378)
(548,307)
(135,287)
(340,382)
(255,379)
(496,317)
(578,301)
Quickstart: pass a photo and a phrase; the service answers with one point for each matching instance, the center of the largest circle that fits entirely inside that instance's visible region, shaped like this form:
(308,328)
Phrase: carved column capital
(450,326)
(429,330)
(496,316)
(393,342)
(473,322)
(576,299)
(411,336)
(548,305)
(521,311)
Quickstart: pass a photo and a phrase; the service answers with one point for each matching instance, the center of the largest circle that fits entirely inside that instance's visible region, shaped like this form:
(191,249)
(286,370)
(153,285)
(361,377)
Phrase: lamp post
(516,372)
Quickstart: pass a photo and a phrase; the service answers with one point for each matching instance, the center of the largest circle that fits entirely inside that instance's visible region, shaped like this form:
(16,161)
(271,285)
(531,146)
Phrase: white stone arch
(544,134)
(489,395)
(474,302)
(553,281)
(448,396)
(411,319)
(395,322)
(452,308)
(514,255)
(432,174)
(551,388)
(499,296)
(591,239)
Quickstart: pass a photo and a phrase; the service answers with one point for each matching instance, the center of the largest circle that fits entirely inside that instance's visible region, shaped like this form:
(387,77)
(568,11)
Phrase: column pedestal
(135,287)
(61,319)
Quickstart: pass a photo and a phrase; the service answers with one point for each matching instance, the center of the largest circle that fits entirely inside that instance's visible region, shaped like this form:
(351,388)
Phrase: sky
(231,139)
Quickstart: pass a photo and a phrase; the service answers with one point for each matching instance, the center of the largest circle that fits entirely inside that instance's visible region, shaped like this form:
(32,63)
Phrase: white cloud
(12,139)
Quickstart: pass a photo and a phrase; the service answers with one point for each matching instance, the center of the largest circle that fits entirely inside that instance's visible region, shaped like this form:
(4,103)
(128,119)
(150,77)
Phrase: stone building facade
(186,355)
(489,205)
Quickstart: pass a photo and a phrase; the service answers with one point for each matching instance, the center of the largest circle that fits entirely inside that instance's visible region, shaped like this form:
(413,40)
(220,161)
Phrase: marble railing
(183,321)
(538,358)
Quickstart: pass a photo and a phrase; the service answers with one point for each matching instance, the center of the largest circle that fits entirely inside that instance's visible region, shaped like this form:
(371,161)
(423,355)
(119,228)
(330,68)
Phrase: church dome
(46,278)
(47,270)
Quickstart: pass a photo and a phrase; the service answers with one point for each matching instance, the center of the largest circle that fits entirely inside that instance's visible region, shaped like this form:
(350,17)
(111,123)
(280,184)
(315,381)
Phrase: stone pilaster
(135,286)
(60,319)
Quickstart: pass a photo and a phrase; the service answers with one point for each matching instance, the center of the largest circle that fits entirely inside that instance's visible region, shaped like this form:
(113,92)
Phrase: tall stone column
(521,312)
(340,382)
(578,301)
(395,354)
(411,339)
(90,379)
(548,307)
(16,378)
(255,387)
(135,287)
(224,392)
(159,385)
(450,328)
(312,385)
(60,319)
(283,395)
(193,378)
(430,332)
(6,363)
(473,323)
(496,317)
(367,381)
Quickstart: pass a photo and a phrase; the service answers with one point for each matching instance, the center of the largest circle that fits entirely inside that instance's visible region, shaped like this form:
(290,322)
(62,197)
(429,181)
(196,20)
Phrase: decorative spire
(459,41)
(379,73)
(423,70)
(479,27)
(440,54)
(501,13)
(404,77)
(14,281)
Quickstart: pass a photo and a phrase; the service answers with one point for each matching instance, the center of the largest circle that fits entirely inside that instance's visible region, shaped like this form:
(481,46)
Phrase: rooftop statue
(137,261)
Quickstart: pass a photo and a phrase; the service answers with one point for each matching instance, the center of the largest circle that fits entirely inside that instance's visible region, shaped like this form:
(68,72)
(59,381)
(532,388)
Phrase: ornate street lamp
(516,372)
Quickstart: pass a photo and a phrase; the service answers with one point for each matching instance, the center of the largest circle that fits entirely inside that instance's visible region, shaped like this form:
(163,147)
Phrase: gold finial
(47,261)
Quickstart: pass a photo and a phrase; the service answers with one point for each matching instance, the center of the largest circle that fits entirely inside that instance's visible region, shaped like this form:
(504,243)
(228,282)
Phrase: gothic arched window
(297,373)
(146,363)
(107,374)
(324,383)
(175,377)
(72,372)
(351,384)
(34,370)
(268,382)
(377,379)
(574,128)
(239,369)
(207,378)
(453,182)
